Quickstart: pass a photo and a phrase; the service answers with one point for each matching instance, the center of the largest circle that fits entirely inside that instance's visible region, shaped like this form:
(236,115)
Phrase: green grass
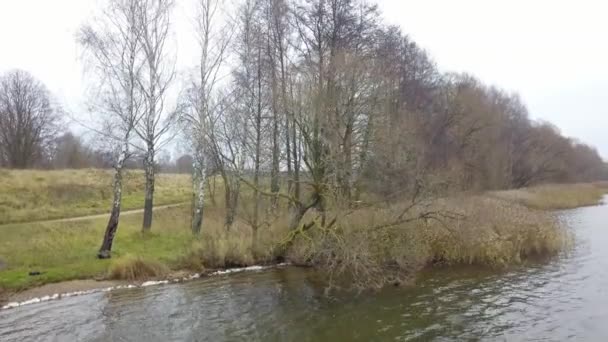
(33,195)
(67,250)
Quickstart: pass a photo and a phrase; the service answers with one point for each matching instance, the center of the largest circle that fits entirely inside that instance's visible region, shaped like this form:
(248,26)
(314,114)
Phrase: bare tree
(231,151)
(250,84)
(335,42)
(205,100)
(113,44)
(154,23)
(28,120)
(276,50)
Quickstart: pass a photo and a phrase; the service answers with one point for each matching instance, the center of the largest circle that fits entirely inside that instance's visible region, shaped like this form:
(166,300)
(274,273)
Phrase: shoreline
(82,287)
(73,288)
(88,284)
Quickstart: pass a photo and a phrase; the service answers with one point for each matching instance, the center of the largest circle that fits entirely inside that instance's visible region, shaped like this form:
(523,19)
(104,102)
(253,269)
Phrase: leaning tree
(112,42)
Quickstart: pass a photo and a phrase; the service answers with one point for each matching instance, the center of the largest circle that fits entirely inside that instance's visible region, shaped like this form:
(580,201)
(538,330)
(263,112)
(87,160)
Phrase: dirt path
(94,216)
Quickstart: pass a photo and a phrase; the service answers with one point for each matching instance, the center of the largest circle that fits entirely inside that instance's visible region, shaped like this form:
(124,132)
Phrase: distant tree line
(313,102)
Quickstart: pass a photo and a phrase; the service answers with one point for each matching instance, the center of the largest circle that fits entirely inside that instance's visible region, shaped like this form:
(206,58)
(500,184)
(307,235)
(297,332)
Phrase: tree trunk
(256,181)
(199,193)
(149,196)
(108,238)
(363,159)
(211,189)
(288,155)
(296,163)
(254,241)
(234,200)
(274,171)
(231,189)
(347,164)
(299,210)
(297,214)
(258,147)
(112,227)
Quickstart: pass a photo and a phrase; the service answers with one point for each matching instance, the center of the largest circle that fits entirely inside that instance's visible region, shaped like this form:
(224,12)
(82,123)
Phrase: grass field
(33,195)
(497,228)
(67,250)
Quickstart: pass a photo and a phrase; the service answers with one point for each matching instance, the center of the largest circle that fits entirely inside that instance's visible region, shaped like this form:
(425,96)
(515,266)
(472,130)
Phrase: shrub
(364,250)
(131,267)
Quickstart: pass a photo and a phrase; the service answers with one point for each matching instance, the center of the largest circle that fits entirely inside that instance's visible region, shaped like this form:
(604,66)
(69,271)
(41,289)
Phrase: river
(565,298)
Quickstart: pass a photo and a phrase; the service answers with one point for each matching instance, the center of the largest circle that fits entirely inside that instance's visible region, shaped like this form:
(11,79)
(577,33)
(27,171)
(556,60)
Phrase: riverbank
(494,229)
(72,288)
(557,196)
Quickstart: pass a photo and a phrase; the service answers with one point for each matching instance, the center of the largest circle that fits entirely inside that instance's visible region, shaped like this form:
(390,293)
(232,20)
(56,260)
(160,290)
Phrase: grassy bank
(556,197)
(32,195)
(493,229)
(66,250)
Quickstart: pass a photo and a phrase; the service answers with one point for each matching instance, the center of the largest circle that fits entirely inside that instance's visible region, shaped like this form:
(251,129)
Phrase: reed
(556,196)
(365,250)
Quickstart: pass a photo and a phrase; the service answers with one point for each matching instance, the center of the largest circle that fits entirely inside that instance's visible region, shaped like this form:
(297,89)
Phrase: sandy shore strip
(73,288)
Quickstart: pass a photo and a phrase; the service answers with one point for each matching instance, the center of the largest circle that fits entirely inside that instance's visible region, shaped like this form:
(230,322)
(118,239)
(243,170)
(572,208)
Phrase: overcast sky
(553,52)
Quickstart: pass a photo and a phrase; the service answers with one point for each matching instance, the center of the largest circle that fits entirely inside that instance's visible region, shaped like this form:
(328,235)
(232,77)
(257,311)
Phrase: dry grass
(492,232)
(557,196)
(220,248)
(131,267)
(477,230)
(31,195)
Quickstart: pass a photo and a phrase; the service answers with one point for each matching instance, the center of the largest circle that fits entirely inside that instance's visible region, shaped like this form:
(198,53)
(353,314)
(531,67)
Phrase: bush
(131,267)
(225,249)
(364,250)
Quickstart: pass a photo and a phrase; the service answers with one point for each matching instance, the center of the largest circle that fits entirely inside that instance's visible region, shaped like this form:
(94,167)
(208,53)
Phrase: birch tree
(204,98)
(250,87)
(154,23)
(113,47)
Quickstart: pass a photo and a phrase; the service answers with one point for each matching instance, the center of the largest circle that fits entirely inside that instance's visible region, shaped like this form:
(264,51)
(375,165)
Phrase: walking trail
(94,216)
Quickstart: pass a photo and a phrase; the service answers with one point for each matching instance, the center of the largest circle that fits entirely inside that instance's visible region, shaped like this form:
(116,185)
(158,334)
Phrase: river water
(565,298)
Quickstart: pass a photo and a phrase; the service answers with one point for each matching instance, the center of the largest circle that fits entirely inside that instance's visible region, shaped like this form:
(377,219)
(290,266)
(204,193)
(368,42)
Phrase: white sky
(553,52)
